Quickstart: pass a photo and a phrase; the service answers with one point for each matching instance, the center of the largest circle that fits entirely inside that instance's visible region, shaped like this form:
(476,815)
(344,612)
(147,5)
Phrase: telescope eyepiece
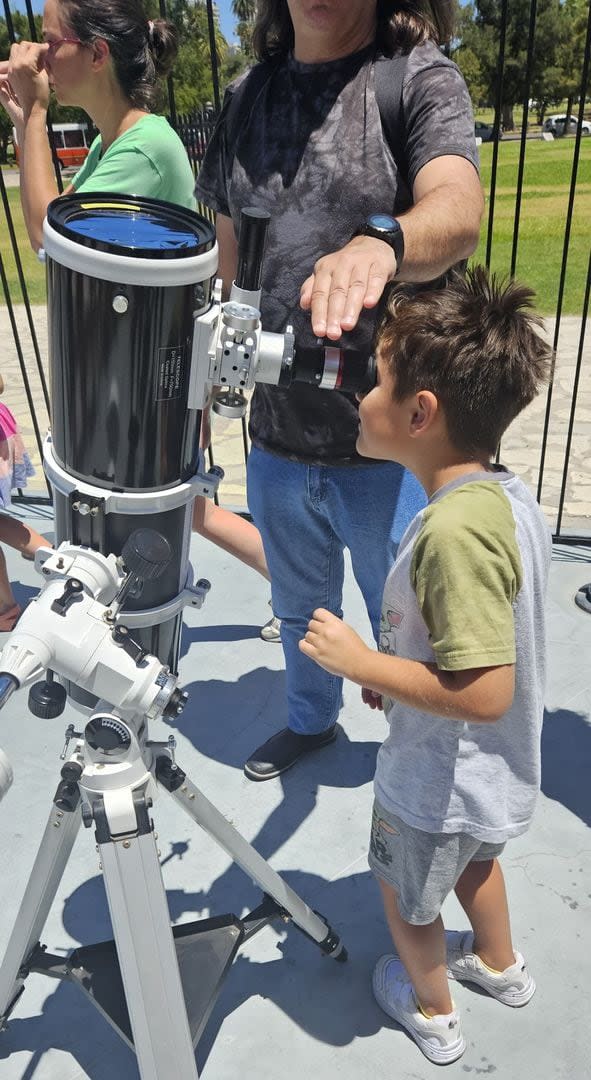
(252,240)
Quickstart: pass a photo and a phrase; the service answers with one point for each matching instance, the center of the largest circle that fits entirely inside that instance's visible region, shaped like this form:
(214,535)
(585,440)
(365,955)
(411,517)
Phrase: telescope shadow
(229,632)
(330,1001)
(343,764)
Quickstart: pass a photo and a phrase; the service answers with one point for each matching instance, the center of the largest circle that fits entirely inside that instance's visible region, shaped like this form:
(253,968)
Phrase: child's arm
(476,694)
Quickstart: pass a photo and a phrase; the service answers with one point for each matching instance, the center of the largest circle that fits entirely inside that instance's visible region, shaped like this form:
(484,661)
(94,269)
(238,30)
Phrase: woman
(107,58)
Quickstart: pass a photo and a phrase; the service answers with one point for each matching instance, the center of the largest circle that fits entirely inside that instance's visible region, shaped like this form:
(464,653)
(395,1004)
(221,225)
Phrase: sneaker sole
(279,772)
(438,1055)
(515,1001)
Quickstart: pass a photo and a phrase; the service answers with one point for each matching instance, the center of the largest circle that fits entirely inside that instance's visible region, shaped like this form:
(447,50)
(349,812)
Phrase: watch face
(382,221)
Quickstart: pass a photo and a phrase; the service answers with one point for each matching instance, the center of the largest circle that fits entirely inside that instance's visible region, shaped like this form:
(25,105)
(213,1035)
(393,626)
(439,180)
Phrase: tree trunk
(507,118)
(569,109)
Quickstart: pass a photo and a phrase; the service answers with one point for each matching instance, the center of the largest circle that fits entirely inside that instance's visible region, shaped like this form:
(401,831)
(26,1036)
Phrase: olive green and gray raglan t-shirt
(467,591)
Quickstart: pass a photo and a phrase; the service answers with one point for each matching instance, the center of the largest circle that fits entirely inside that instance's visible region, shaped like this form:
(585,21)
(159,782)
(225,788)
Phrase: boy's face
(381,418)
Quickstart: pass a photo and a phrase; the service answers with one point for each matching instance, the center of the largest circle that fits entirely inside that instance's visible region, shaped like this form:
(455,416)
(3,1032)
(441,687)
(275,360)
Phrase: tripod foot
(331,945)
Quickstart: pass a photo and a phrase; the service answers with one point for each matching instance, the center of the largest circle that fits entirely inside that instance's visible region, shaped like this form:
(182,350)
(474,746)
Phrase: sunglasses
(53,45)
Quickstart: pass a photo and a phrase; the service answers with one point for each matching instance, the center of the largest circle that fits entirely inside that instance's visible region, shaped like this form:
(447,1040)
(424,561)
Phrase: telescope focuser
(233,353)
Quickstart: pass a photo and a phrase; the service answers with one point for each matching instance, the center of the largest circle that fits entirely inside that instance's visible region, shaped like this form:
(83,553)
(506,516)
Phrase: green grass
(33,270)
(545,195)
(546,185)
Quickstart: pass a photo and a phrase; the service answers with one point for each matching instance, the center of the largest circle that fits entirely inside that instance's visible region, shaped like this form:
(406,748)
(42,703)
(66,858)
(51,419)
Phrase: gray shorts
(422,867)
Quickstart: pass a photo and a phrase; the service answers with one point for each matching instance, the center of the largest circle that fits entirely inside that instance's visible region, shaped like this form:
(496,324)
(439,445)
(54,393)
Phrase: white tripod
(155,985)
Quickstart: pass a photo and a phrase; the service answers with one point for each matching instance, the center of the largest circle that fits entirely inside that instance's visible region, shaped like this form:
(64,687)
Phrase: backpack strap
(389,77)
(244,98)
(389,74)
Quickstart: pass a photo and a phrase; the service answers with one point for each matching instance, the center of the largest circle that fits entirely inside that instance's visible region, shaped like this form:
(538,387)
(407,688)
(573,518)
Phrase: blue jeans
(307,516)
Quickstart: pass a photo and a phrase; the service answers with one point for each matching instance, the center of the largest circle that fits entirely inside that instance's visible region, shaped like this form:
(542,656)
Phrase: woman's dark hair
(142,51)
(401,24)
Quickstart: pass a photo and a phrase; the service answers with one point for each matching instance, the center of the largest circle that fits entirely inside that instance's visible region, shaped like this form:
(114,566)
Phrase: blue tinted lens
(137,231)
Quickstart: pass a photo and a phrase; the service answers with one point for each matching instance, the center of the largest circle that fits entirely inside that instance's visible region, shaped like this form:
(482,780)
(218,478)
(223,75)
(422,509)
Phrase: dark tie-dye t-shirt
(311,151)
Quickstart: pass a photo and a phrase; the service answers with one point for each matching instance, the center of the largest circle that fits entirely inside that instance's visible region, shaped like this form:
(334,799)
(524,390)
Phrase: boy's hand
(371,698)
(335,646)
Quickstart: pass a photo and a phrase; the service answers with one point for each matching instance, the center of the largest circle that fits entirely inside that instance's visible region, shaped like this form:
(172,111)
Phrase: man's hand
(345,282)
(335,646)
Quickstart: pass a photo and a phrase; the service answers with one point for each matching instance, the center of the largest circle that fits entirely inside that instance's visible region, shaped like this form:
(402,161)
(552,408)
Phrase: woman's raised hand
(23,80)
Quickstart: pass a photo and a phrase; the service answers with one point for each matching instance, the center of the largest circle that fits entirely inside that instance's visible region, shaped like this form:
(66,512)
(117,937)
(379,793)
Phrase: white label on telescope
(170,373)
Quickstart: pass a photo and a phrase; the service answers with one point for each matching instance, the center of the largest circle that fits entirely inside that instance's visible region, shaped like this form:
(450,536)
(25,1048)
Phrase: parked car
(72,143)
(556,125)
(485,131)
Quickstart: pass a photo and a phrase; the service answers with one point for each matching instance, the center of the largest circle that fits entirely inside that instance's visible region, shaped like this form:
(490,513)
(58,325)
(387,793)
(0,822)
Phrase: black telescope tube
(252,240)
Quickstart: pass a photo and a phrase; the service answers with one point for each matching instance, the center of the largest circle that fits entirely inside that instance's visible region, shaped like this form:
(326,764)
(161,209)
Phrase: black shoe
(282,751)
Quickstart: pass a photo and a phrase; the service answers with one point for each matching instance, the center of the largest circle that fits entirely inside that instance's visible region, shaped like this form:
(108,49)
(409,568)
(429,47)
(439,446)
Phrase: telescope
(139,342)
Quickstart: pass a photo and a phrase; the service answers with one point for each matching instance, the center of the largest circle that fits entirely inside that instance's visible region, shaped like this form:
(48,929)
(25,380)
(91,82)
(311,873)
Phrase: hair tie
(150,31)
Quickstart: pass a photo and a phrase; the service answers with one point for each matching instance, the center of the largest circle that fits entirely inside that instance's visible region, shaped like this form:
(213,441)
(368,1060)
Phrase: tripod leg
(209,818)
(144,941)
(53,854)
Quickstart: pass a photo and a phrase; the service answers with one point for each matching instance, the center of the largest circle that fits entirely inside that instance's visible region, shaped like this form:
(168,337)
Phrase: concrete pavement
(286,1011)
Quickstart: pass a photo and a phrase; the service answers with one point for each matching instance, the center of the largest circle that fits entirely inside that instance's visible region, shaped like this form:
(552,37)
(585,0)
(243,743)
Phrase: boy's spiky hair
(475,344)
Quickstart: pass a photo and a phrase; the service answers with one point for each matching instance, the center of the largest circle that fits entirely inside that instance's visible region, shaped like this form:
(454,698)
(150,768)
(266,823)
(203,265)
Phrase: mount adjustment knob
(47,699)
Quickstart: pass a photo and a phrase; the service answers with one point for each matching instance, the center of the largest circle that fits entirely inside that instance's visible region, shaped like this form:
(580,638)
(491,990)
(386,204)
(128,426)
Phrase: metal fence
(23,321)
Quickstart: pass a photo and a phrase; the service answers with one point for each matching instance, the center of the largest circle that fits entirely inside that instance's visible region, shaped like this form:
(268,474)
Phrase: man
(348,215)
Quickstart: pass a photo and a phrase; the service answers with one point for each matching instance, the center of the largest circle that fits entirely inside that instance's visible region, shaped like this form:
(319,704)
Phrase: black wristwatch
(386,228)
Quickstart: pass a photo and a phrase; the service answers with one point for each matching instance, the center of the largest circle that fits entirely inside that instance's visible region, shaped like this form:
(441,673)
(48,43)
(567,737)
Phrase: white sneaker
(514,986)
(440,1037)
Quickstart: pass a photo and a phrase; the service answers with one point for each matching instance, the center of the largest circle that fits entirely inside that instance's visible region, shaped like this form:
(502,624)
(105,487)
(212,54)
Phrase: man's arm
(440,229)
(477,694)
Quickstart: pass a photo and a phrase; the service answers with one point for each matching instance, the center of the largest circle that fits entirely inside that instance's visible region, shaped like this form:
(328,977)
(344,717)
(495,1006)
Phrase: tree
(570,53)
(20,27)
(245,12)
(193,83)
(480,40)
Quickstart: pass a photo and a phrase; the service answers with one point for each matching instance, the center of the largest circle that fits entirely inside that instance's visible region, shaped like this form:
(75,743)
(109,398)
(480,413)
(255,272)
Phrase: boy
(460,672)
